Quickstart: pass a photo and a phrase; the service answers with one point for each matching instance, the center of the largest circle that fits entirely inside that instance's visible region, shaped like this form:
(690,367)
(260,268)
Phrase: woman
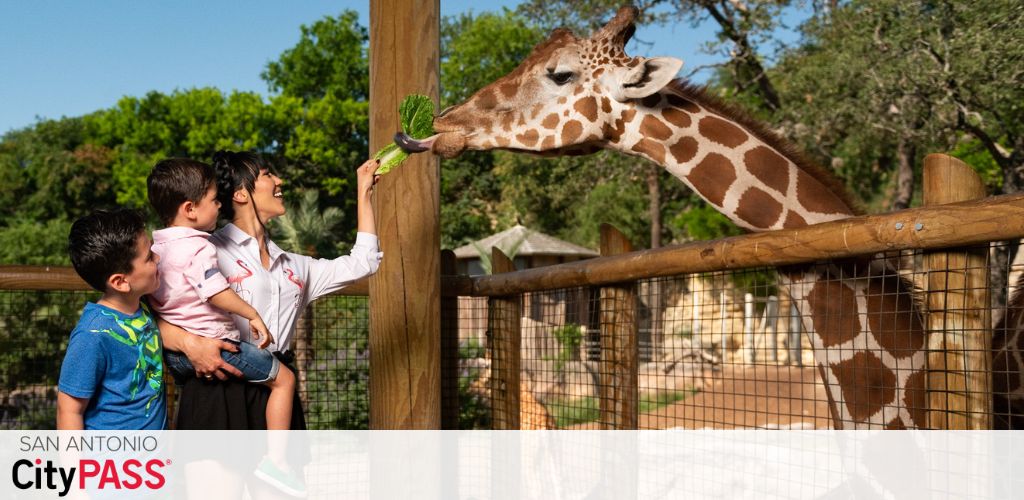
(277,284)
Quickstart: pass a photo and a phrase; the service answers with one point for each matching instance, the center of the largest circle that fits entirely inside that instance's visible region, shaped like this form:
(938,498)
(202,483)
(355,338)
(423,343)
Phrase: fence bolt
(899,226)
(918,226)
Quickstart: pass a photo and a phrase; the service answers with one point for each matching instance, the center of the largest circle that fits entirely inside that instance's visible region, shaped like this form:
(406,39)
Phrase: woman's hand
(203,353)
(365,178)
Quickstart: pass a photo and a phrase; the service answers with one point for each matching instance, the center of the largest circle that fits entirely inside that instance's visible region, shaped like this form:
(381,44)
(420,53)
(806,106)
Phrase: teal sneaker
(285,481)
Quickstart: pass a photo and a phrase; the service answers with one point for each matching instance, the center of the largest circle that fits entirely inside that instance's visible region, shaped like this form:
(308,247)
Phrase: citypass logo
(127,473)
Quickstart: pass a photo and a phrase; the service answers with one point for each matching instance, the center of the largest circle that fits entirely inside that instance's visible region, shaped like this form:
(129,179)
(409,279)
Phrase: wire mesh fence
(907,339)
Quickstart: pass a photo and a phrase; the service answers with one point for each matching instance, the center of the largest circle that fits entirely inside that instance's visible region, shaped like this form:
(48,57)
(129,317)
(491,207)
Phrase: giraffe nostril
(445,111)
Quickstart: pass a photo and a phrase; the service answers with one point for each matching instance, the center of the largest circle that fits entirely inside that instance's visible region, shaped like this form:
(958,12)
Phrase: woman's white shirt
(280,294)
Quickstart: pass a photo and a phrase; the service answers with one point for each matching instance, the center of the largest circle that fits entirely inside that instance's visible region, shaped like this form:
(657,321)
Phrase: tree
(476,50)
(911,77)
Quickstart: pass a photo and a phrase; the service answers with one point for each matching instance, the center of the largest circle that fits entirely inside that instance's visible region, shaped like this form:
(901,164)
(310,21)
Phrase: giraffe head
(560,99)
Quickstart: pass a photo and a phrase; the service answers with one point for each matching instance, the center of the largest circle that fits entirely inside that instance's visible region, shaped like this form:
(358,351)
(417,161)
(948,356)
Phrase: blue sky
(68,58)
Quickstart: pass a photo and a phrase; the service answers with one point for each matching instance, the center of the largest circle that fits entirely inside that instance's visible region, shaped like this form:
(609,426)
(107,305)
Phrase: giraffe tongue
(410,145)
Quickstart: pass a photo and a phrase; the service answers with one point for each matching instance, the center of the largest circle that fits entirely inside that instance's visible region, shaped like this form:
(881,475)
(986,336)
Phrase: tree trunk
(905,153)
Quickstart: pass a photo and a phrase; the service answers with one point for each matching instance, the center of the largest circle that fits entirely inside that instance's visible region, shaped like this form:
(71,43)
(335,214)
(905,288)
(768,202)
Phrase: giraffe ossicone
(576,95)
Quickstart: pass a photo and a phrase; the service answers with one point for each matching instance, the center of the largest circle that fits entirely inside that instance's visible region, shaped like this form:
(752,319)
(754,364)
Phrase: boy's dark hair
(103,243)
(176,180)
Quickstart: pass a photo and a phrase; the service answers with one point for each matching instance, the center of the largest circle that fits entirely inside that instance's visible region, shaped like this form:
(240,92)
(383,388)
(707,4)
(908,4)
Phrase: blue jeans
(257,365)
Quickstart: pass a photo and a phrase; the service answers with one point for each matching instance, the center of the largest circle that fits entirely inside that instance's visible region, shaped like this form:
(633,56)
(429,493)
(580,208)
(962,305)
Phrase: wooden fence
(935,229)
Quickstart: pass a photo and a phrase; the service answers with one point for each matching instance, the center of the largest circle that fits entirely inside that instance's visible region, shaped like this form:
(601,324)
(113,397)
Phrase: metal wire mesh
(916,338)
(893,341)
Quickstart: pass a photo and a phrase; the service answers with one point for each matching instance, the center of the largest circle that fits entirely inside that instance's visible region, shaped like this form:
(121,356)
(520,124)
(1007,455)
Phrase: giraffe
(580,95)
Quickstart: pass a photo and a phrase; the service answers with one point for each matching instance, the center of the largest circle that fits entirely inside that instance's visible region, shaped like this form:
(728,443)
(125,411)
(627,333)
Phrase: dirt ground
(749,397)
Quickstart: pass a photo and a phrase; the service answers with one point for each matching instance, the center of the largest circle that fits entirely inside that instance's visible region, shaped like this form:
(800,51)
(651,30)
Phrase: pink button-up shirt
(189,276)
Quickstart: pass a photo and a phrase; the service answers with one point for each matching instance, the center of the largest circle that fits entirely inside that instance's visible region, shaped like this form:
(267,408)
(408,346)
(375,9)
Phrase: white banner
(546,465)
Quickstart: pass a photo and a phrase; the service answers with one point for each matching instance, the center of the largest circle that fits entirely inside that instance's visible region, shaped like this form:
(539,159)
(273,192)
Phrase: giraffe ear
(647,78)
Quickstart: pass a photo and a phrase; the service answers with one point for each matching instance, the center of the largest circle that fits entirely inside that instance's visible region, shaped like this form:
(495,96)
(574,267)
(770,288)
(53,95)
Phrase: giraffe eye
(561,78)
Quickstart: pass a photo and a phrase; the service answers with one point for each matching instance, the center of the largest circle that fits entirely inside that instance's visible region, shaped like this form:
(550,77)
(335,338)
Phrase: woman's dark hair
(103,243)
(234,171)
(174,181)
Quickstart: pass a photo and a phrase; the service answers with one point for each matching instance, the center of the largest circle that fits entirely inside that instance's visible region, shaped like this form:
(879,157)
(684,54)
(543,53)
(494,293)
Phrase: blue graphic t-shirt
(116,361)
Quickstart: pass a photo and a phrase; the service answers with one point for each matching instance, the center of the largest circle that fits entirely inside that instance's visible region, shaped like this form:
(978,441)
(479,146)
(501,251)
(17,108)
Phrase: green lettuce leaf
(416,114)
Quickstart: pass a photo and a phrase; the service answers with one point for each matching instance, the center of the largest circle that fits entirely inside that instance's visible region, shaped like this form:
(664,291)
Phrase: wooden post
(503,323)
(405,317)
(619,373)
(449,349)
(959,323)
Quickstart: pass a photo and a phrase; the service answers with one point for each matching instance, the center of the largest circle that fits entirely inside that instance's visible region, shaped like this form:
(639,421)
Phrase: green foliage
(35,243)
(306,229)
(340,371)
(416,114)
(569,338)
(570,412)
(474,408)
(705,223)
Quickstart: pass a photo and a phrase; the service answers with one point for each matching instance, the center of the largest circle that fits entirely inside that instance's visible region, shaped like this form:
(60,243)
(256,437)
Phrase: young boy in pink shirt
(195,296)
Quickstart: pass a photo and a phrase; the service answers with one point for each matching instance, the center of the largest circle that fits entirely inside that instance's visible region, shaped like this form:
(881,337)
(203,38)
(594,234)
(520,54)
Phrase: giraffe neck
(744,173)
(864,325)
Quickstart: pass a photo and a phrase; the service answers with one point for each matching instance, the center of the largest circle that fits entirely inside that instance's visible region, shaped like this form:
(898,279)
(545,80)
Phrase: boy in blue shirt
(112,375)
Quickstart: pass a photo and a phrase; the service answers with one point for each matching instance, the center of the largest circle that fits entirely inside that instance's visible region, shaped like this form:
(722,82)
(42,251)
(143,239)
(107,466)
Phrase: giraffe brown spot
(578,91)
(679,102)
(651,101)
(834,312)
(684,149)
(597,88)
(587,107)
(528,138)
(551,121)
(721,131)
(651,126)
(508,90)
(712,177)
(794,220)
(769,167)
(535,111)
(915,398)
(895,424)
(606,105)
(548,142)
(814,196)
(598,71)
(506,121)
(614,132)
(676,117)
(522,120)
(592,138)
(502,141)
(563,100)
(633,62)
(651,148)
(893,318)
(628,115)
(572,130)
(486,99)
(758,208)
(866,382)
